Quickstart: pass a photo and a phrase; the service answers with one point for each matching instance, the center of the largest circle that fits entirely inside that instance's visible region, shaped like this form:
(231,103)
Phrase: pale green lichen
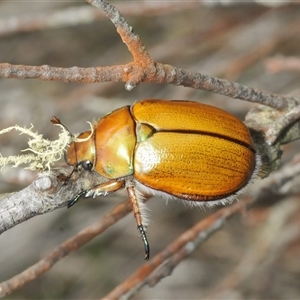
(42,152)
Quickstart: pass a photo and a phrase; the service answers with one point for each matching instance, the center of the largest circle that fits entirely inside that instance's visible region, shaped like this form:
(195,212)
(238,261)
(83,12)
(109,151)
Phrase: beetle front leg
(135,201)
(75,199)
(102,189)
(105,188)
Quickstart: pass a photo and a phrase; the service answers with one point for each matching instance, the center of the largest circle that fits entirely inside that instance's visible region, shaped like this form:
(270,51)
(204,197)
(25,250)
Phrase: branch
(155,73)
(280,63)
(47,193)
(280,230)
(144,69)
(69,246)
(180,249)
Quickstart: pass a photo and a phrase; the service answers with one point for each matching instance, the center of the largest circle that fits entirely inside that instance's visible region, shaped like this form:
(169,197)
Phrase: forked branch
(144,69)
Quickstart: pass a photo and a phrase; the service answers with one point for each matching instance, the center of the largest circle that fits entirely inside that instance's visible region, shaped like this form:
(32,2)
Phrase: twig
(70,245)
(182,247)
(159,74)
(280,63)
(144,69)
(271,243)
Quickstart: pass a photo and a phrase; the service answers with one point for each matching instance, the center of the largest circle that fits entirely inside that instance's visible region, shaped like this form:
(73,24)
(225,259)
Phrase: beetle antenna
(75,169)
(80,140)
(56,121)
(67,178)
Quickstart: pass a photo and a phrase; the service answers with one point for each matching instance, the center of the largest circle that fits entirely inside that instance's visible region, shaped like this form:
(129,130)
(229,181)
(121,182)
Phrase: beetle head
(81,152)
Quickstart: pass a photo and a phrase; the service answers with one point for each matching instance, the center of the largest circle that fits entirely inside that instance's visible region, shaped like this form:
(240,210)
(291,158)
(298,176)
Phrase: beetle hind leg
(136,199)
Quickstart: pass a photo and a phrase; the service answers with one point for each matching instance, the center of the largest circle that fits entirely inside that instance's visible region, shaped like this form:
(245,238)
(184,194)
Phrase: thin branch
(273,240)
(133,42)
(173,254)
(163,74)
(280,63)
(144,69)
(69,246)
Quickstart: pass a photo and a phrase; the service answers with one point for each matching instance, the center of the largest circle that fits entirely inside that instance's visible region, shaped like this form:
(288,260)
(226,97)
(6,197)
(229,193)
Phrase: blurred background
(231,40)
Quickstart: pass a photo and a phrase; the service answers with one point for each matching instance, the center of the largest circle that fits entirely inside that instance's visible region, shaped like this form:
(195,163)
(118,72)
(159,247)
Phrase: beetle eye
(87,165)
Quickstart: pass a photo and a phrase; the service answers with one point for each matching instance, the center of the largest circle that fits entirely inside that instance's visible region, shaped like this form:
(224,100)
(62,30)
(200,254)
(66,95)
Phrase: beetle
(175,149)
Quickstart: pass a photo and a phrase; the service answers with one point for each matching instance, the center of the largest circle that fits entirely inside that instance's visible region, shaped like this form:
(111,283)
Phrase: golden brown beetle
(174,149)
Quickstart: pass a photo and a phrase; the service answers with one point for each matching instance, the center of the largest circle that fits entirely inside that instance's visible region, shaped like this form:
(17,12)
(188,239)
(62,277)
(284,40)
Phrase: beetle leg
(138,217)
(75,199)
(102,189)
(106,188)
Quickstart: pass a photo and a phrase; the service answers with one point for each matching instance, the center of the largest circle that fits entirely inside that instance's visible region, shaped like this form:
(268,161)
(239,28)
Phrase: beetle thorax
(115,142)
